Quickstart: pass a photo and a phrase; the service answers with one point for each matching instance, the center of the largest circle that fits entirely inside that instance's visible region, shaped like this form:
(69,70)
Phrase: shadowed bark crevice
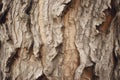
(42,77)
(29,7)
(109,16)
(1,74)
(87,73)
(3,16)
(115,61)
(94,77)
(11,60)
(1,6)
(67,7)
(8,78)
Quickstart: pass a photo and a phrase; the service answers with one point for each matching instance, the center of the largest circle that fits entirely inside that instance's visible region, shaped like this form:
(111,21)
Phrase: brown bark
(59,39)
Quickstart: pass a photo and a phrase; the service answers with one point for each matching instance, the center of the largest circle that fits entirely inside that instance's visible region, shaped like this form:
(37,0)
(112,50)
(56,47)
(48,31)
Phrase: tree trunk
(59,39)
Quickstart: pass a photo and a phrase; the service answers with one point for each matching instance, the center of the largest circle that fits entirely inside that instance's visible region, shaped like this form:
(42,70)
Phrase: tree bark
(59,39)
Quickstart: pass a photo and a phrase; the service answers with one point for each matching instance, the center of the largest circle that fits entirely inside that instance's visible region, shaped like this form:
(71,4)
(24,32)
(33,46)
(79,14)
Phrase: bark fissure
(11,59)
(28,7)
(3,16)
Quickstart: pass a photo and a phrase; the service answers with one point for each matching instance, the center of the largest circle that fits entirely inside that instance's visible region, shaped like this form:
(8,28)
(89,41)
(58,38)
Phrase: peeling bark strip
(59,39)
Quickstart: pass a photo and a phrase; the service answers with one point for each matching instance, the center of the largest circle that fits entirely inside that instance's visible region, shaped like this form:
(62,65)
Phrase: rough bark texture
(59,39)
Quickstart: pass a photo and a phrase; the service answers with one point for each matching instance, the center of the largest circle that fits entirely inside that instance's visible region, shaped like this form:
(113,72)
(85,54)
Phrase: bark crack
(29,7)
(109,16)
(11,60)
(3,16)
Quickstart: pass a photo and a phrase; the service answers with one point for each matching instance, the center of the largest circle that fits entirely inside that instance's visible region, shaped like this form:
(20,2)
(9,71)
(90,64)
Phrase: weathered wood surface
(59,39)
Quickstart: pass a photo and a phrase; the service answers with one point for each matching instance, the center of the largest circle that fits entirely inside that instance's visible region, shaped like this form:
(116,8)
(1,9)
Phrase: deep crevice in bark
(94,77)
(115,61)
(1,74)
(8,78)
(11,60)
(3,16)
(42,77)
(1,5)
(29,7)
(67,8)
(109,16)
